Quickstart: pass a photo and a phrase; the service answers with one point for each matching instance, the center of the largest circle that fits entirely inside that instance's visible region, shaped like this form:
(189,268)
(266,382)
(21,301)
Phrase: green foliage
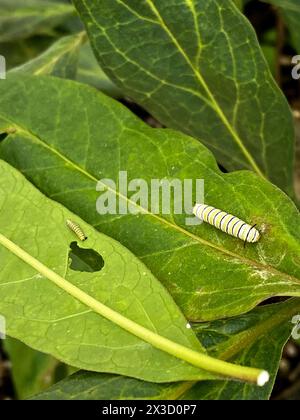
(290,10)
(210,274)
(18,52)
(19,19)
(197,67)
(32,371)
(55,321)
(60,60)
(244,338)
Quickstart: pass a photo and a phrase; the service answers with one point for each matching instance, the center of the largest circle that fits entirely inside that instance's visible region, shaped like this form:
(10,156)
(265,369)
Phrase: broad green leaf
(90,72)
(53,309)
(61,59)
(290,10)
(90,136)
(245,339)
(19,19)
(32,371)
(197,66)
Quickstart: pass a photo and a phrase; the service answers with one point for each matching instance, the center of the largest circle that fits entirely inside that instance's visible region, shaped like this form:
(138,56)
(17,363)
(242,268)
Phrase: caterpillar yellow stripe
(74,227)
(227,223)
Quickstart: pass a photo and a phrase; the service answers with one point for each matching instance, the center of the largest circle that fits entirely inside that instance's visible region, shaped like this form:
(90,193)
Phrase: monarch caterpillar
(226,222)
(76,229)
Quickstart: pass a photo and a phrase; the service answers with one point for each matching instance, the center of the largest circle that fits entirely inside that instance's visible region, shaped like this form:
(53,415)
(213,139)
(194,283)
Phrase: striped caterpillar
(74,227)
(227,223)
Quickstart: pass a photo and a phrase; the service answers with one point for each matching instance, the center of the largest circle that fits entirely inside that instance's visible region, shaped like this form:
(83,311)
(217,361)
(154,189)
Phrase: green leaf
(197,67)
(245,339)
(66,58)
(20,51)
(255,338)
(61,59)
(90,136)
(257,272)
(140,331)
(90,72)
(32,371)
(19,20)
(290,10)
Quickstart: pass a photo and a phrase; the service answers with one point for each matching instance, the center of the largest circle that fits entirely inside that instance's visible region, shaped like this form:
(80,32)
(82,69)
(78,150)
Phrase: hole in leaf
(222,169)
(84,259)
(3,136)
(7,132)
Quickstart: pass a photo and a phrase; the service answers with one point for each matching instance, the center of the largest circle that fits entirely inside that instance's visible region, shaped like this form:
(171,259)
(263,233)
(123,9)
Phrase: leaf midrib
(197,239)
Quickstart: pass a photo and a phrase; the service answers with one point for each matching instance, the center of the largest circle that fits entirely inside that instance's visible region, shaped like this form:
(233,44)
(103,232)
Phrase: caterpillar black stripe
(226,222)
(76,229)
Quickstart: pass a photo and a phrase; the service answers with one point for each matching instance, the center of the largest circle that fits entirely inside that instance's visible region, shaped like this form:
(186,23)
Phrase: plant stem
(191,356)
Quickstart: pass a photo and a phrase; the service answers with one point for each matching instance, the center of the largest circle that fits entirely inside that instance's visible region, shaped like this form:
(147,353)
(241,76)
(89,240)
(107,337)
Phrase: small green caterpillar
(74,227)
(227,223)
